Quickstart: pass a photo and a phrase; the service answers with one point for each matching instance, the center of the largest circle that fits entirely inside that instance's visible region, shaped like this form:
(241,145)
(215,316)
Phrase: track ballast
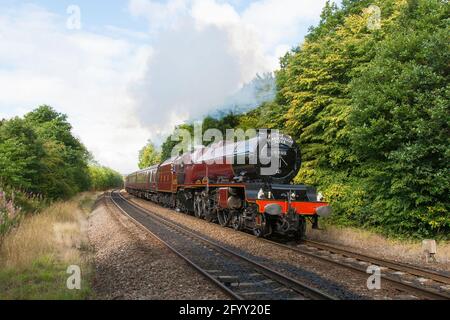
(238,276)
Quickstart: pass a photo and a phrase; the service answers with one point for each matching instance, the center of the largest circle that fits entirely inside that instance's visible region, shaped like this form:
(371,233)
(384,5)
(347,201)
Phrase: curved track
(411,280)
(236,275)
(420,282)
(434,275)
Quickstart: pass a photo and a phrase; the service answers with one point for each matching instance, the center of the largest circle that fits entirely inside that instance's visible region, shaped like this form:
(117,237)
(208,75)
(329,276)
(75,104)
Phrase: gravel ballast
(334,280)
(131,264)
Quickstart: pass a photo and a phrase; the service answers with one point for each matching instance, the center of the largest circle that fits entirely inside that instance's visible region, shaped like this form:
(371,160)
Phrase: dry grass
(54,232)
(377,245)
(50,240)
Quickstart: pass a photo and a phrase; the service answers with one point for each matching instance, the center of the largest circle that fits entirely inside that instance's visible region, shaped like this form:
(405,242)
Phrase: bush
(14,204)
(39,153)
(103,178)
(399,126)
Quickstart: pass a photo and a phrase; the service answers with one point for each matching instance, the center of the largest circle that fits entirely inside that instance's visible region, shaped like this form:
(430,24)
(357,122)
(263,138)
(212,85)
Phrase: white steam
(205,51)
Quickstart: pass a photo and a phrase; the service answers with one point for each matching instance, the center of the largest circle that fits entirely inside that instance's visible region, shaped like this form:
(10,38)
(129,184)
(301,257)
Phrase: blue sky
(98,14)
(95,13)
(136,68)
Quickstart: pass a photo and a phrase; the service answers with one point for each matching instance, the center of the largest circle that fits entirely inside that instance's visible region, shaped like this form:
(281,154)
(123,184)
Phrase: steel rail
(397,283)
(406,287)
(289,282)
(196,267)
(411,269)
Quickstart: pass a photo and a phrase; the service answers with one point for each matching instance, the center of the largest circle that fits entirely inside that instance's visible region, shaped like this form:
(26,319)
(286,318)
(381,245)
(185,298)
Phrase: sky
(128,71)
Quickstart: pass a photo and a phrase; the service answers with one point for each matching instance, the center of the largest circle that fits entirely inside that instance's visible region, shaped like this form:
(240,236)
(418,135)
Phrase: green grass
(87,202)
(45,279)
(34,257)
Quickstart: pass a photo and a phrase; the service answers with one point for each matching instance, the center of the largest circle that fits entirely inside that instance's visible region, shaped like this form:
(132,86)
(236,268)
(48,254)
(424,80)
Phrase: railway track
(236,275)
(439,277)
(410,279)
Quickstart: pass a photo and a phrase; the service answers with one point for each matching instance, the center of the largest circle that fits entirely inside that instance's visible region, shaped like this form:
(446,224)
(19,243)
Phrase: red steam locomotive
(226,183)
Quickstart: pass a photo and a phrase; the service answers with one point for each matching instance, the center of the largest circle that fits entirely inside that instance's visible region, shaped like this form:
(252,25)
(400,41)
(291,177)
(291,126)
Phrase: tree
(399,126)
(66,162)
(369,109)
(39,154)
(169,145)
(20,155)
(314,86)
(269,115)
(103,178)
(228,120)
(225,121)
(148,156)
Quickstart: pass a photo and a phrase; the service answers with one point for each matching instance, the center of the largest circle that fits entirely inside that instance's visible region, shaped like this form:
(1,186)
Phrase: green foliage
(41,159)
(169,144)
(399,125)
(14,204)
(148,156)
(21,152)
(268,115)
(45,279)
(103,178)
(39,154)
(369,109)
(66,162)
(314,84)
(227,121)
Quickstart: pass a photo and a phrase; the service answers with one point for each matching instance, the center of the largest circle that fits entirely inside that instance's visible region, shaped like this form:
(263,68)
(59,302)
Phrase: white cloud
(212,12)
(190,71)
(160,15)
(198,61)
(122,89)
(278,22)
(205,50)
(82,74)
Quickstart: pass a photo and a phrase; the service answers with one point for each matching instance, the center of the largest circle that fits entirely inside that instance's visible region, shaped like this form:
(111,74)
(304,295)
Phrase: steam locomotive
(227,182)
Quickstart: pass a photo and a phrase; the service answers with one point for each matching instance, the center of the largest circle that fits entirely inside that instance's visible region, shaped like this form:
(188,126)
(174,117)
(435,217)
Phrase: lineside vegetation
(368,103)
(41,161)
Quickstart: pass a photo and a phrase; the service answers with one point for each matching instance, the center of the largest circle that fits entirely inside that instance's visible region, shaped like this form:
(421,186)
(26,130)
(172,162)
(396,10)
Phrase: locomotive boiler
(244,185)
